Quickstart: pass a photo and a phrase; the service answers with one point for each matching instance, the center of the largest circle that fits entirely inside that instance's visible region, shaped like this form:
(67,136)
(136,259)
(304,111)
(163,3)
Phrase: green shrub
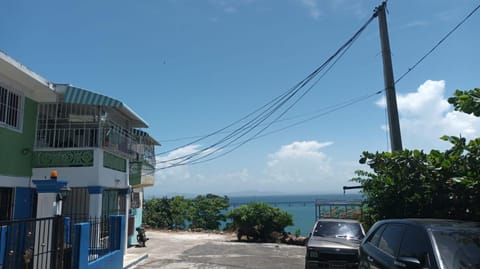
(259,221)
(203,212)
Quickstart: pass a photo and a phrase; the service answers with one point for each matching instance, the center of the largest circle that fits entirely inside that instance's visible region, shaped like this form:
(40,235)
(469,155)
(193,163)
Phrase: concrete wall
(137,214)
(96,175)
(16,146)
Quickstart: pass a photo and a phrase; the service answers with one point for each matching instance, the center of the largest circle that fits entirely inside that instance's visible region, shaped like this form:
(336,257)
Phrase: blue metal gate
(32,243)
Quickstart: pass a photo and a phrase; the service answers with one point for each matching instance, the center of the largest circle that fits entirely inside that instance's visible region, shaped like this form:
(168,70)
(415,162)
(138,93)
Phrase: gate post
(58,241)
(49,204)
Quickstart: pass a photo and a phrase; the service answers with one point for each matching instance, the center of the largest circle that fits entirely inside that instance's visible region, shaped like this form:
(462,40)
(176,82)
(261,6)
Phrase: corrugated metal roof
(142,133)
(75,95)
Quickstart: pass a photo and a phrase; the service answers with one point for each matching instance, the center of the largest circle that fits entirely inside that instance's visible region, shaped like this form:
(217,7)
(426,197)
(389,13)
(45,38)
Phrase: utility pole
(393,122)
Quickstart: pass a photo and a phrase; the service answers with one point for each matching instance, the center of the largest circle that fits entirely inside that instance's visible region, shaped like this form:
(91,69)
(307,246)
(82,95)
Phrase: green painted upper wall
(16,147)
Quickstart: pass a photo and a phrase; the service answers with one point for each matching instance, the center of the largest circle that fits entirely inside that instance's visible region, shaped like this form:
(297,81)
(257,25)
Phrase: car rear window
(338,229)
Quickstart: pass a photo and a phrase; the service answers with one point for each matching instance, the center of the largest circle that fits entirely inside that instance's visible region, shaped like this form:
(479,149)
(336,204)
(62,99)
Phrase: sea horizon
(251,194)
(300,206)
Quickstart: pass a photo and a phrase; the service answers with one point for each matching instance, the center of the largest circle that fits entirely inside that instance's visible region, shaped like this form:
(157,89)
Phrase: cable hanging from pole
(274,109)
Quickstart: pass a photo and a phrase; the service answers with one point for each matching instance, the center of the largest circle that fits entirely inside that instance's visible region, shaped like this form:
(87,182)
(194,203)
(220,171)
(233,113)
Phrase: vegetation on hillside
(202,212)
(259,221)
(438,184)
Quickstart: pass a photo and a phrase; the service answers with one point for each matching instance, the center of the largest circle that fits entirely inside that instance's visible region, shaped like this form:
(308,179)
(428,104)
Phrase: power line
(274,106)
(308,115)
(438,43)
(266,114)
(336,108)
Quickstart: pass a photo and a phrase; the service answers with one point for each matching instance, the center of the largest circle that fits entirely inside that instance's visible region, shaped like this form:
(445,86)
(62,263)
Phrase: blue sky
(192,67)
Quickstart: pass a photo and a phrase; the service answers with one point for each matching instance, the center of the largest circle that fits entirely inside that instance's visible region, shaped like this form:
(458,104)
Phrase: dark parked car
(334,243)
(421,243)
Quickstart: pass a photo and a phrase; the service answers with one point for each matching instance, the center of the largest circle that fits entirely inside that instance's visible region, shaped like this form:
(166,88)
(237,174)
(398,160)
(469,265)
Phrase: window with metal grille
(11,109)
(135,200)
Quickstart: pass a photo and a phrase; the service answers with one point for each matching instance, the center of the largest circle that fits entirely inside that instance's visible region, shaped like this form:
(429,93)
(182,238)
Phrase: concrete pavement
(172,250)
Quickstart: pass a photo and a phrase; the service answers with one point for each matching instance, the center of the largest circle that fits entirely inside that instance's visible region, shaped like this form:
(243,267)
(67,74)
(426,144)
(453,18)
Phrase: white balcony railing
(116,140)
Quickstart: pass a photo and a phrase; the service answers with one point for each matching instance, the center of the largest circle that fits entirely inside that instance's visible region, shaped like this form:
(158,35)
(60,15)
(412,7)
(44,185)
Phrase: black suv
(334,243)
(421,243)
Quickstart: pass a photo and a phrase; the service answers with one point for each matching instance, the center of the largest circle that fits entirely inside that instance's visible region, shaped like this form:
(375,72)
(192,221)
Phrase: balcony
(75,127)
(141,174)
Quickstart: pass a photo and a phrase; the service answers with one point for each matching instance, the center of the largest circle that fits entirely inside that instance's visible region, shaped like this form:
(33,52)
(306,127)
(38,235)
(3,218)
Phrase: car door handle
(369,259)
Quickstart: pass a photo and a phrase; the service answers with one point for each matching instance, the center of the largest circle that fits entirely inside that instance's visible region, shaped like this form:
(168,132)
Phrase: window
(11,108)
(135,200)
(459,246)
(415,245)
(375,238)
(391,238)
(338,229)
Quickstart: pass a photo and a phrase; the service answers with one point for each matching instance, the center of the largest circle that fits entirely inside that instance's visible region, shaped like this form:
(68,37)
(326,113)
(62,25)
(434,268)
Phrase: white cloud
(180,172)
(414,24)
(230,6)
(230,10)
(302,167)
(312,7)
(299,167)
(425,116)
(298,162)
(318,8)
(188,179)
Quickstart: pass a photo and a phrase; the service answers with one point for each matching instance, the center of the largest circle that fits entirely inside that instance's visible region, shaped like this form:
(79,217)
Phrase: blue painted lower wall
(112,260)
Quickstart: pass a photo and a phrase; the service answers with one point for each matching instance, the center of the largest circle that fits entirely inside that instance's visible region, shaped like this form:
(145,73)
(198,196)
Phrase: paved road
(215,251)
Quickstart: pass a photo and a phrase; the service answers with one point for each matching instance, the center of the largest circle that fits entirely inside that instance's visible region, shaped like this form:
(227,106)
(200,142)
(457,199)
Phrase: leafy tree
(466,101)
(167,213)
(179,209)
(416,184)
(259,220)
(205,212)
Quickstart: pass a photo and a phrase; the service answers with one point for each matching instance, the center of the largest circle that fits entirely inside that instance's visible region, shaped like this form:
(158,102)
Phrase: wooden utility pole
(393,122)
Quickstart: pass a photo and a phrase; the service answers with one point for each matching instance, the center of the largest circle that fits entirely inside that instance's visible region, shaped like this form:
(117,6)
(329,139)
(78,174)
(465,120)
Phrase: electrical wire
(278,102)
(438,43)
(341,53)
(257,121)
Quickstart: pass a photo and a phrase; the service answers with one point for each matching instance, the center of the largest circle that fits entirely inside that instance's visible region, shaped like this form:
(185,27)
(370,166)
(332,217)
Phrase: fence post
(3,244)
(117,235)
(81,246)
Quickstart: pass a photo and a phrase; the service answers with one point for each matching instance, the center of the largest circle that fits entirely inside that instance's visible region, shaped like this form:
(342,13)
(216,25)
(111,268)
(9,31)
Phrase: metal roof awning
(75,95)
(141,133)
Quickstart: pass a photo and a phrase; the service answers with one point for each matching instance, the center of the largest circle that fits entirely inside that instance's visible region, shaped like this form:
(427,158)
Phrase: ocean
(302,207)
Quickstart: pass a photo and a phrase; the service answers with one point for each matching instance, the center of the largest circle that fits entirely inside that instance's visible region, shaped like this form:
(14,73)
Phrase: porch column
(95,213)
(96,195)
(49,204)
(127,192)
